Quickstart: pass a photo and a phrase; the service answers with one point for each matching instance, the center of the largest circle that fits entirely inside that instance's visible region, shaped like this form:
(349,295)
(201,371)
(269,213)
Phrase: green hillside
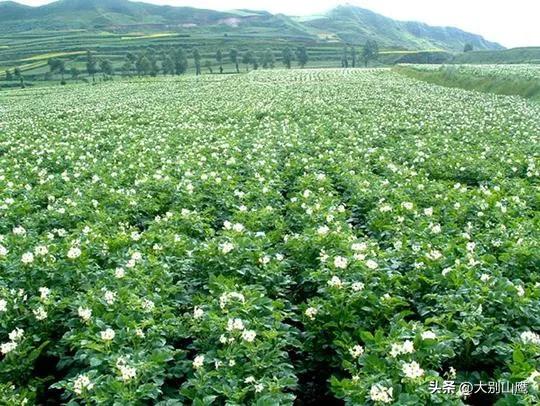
(111,28)
(354,24)
(344,23)
(515,55)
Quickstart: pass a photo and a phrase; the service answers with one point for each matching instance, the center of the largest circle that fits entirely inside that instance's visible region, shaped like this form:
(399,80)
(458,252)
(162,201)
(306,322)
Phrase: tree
(143,65)
(287,57)
(302,56)
(247,58)
(219,59)
(57,65)
(353,57)
(131,57)
(127,67)
(468,47)
(74,72)
(208,65)
(255,61)
(268,59)
(370,52)
(180,61)
(9,76)
(344,58)
(168,66)
(106,67)
(18,75)
(91,65)
(197,59)
(233,55)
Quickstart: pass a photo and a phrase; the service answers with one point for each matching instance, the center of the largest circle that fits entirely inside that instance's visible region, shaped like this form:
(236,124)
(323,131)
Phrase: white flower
(238,228)
(471,246)
(3,251)
(429,211)
(264,260)
(429,335)
(357,286)
(335,282)
(235,324)
(6,348)
(27,258)
(226,297)
(16,334)
(485,277)
(135,236)
(340,262)
(198,362)
(359,246)
(226,247)
(379,393)
(412,370)
(84,313)
(136,256)
(198,313)
(73,253)
(311,312)
(108,334)
(139,332)
(249,335)
(40,313)
(81,383)
(356,351)
(147,305)
(408,347)
(395,350)
(119,273)
(44,293)
(520,291)
(371,264)
(259,387)
(127,373)
(19,230)
(41,250)
(528,337)
(109,297)
(249,379)
(434,255)
(407,205)
(3,305)
(323,230)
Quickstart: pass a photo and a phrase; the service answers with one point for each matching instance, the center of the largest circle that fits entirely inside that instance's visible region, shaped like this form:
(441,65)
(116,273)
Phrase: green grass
(449,76)
(514,55)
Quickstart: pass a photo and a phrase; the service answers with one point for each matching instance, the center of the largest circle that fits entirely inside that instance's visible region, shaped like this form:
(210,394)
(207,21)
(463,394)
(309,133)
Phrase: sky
(512,23)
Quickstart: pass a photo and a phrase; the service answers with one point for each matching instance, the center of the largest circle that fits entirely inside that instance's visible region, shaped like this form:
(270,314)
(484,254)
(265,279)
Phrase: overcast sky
(511,23)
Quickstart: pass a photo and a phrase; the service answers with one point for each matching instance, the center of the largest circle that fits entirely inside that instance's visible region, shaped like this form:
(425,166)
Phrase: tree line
(152,62)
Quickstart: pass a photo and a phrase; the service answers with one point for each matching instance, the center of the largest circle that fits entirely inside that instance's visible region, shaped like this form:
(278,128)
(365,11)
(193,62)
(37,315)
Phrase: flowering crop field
(309,237)
(523,72)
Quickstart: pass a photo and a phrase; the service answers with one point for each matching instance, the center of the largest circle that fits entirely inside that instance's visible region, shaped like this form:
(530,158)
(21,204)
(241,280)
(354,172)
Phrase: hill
(356,25)
(343,24)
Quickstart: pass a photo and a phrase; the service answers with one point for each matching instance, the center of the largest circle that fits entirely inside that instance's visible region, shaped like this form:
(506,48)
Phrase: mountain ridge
(344,23)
